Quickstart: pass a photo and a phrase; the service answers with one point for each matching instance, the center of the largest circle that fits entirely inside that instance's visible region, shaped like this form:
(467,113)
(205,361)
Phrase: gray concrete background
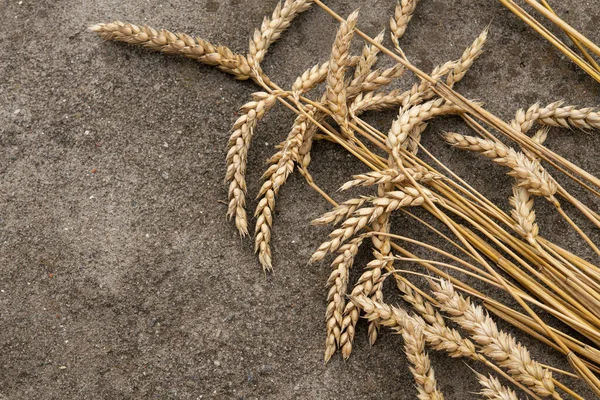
(130,283)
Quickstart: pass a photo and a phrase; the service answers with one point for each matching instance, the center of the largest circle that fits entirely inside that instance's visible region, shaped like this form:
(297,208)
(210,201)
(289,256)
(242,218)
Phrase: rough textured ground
(129,282)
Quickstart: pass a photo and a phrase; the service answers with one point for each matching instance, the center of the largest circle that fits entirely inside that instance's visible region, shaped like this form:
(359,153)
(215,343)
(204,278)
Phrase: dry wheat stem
(276,176)
(529,174)
(524,214)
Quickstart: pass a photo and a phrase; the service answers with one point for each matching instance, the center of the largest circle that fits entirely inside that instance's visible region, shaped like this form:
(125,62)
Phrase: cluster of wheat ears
(502,249)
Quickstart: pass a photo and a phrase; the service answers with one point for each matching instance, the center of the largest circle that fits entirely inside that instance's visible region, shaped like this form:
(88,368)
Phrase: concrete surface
(129,282)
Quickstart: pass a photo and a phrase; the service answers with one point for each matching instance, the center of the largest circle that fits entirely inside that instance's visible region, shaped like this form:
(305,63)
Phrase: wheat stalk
(438,336)
(497,344)
(176,43)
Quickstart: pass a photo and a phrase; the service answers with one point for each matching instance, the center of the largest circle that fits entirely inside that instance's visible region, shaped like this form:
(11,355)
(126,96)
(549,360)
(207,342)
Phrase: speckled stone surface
(128,282)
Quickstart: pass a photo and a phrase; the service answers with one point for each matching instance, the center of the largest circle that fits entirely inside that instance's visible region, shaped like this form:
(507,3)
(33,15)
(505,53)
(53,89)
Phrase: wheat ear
(272,28)
(367,285)
(529,173)
(492,389)
(556,115)
(414,347)
(315,75)
(275,176)
(410,119)
(402,15)
(497,344)
(239,143)
(418,173)
(336,85)
(524,215)
(176,43)
(368,57)
(438,336)
(394,200)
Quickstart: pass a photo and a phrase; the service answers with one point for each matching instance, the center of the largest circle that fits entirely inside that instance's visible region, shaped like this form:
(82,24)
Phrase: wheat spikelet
(529,173)
(555,115)
(492,389)
(405,197)
(338,284)
(272,28)
(368,57)
(239,143)
(414,347)
(523,214)
(423,307)
(419,174)
(402,15)
(336,86)
(276,177)
(498,345)
(176,43)
(410,119)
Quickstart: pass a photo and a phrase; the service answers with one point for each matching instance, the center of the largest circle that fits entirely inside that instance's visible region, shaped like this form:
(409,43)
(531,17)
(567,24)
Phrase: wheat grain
(529,173)
(402,15)
(419,174)
(272,28)
(492,389)
(336,85)
(523,214)
(338,284)
(176,43)
(497,344)
(239,143)
(414,347)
